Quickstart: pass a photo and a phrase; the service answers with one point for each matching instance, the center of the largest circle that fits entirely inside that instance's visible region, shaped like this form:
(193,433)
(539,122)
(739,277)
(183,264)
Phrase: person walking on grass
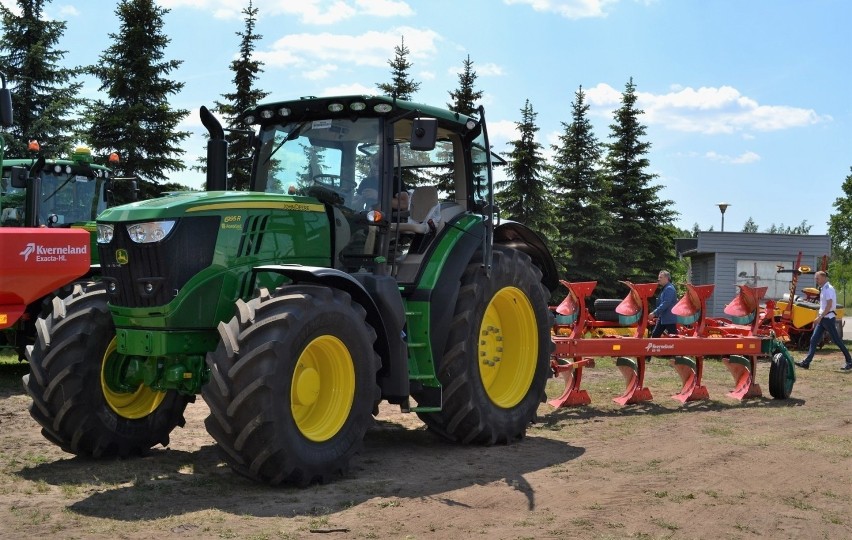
(825,322)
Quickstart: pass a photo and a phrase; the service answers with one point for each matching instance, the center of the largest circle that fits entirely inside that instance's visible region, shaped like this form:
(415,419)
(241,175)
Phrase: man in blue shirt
(666,320)
(825,322)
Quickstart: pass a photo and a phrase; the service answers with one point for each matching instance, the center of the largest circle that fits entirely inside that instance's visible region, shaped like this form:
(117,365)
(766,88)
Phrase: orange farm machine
(751,332)
(798,313)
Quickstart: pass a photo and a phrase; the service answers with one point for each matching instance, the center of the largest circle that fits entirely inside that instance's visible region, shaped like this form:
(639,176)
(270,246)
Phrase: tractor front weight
(184,374)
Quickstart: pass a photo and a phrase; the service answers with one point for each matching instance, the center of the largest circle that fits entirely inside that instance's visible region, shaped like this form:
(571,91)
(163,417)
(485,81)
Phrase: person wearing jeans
(666,321)
(825,322)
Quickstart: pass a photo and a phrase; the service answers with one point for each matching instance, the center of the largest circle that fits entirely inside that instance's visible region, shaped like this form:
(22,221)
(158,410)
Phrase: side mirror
(19,177)
(424,134)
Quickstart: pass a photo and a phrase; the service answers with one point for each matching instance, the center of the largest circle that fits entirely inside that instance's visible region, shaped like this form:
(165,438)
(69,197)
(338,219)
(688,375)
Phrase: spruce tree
(840,231)
(586,247)
(136,120)
(750,226)
(465,97)
(524,195)
(641,220)
(46,94)
(401,85)
(840,223)
(244,96)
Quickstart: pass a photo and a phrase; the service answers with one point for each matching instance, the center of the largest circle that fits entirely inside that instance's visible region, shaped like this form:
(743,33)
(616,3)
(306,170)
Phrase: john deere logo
(121,256)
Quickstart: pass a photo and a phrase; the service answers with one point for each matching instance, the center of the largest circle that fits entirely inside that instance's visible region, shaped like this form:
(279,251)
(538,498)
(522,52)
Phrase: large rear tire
(74,345)
(497,358)
(293,385)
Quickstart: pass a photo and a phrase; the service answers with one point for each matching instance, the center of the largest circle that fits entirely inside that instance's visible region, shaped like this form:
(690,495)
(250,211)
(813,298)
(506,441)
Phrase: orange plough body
(737,341)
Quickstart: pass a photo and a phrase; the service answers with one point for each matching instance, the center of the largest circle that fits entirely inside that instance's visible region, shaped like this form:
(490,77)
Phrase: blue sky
(746,101)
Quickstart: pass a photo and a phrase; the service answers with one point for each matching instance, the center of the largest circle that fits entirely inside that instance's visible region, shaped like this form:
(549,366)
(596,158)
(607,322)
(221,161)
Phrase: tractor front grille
(152,274)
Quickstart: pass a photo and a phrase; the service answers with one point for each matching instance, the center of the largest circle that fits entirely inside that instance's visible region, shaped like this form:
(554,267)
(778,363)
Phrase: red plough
(740,340)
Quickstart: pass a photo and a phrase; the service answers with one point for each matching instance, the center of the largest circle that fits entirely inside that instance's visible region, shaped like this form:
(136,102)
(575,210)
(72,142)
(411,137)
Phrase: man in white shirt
(825,322)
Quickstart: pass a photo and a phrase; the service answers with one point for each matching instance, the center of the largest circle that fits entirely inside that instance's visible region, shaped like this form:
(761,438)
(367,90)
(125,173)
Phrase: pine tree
(244,96)
(750,226)
(465,97)
(524,195)
(136,121)
(401,85)
(640,219)
(840,231)
(586,249)
(840,223)
(45,95)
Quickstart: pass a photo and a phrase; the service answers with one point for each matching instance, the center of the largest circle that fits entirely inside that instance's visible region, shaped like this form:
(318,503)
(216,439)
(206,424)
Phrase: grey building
(729,259)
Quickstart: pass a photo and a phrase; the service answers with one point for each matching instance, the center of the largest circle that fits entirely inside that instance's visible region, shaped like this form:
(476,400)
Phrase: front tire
(74,345)
(293,385)
(497,358)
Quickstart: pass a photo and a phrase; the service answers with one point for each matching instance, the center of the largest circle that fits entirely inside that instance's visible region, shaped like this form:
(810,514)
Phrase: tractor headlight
(153,231)
(105,233)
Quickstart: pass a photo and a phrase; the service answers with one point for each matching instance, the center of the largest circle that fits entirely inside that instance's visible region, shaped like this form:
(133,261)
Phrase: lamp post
(722,207)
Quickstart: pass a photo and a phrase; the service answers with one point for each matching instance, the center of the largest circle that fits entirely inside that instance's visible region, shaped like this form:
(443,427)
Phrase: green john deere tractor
(297,307)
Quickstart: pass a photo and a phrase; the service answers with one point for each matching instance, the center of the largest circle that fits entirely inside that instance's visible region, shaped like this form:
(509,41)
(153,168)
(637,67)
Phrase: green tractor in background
(297,307)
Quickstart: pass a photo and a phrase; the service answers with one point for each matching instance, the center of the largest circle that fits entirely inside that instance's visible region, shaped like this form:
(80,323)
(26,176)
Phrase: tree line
(595,203)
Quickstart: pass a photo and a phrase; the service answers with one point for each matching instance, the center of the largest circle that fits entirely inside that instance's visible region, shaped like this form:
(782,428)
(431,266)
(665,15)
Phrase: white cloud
(570,9)
(502,131)
(349,90)
(319,12)
(489,70)
(602,95)
(320,72)
(426,75)
(368,49)
(68,11)
(12,6)
(486,70)
(384,8)
(708,110)
(742,159)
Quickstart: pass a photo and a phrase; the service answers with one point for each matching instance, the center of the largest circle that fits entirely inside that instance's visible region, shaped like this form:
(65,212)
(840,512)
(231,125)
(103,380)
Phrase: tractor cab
(391,180)
(52,192)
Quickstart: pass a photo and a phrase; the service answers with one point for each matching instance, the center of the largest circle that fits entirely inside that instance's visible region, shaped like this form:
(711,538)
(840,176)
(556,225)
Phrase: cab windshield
(69,197)
(330,159)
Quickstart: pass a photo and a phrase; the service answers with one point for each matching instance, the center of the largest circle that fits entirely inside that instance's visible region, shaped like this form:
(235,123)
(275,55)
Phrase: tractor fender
(518,236)
(380,297)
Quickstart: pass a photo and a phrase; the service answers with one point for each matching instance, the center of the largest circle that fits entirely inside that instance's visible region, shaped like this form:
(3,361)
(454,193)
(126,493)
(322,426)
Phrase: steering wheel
(330,180)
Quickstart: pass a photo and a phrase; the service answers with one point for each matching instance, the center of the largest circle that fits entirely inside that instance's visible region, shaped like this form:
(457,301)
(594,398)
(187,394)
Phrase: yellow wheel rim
(508,347)
(323,388)
(132,405)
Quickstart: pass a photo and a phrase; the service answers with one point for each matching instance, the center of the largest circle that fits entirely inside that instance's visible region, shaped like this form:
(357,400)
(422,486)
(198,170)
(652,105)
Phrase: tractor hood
(200,203)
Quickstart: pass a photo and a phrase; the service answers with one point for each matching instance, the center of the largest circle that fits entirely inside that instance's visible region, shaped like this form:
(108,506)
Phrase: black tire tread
(467,415)
(258,441)
(64,383)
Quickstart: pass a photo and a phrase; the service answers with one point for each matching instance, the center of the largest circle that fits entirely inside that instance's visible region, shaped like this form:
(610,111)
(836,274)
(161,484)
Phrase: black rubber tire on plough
(495,403)
(293,385)
(604,309)
(75,409)
(780,377)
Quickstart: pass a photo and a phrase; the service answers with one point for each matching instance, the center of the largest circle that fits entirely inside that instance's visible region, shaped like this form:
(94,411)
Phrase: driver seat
(424,211)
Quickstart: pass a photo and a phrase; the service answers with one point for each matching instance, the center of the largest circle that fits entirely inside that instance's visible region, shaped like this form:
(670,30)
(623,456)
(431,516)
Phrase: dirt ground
(712,469)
